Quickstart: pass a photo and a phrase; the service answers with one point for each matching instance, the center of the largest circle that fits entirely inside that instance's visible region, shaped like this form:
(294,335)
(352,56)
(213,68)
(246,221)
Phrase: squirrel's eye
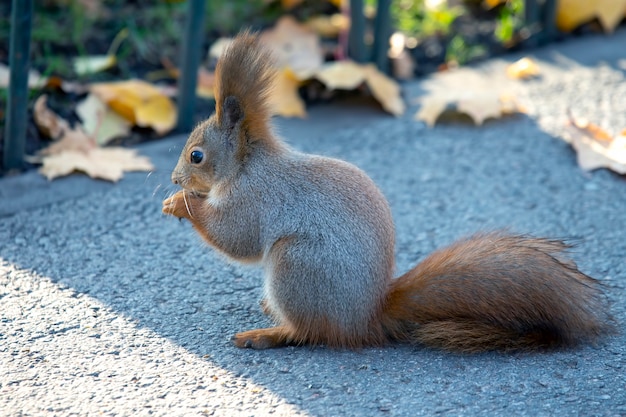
(196,157)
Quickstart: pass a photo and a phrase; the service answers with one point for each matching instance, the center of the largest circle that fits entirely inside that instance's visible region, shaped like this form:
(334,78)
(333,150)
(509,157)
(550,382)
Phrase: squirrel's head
(214,151)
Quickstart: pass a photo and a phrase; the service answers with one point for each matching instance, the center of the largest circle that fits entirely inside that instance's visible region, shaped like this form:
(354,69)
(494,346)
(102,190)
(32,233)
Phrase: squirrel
(324,235)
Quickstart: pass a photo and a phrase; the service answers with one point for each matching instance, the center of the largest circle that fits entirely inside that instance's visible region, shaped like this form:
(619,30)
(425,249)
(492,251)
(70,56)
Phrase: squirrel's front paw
(179,205)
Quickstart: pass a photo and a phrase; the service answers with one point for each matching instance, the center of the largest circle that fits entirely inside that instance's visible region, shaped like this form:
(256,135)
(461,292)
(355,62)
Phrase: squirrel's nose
(174,177)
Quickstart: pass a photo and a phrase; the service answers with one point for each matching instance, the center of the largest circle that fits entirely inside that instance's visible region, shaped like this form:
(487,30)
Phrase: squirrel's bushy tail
(496,291)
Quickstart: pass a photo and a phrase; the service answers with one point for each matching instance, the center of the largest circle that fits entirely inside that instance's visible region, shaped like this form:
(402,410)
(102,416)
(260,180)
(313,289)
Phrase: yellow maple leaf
(572,13)
(139,102)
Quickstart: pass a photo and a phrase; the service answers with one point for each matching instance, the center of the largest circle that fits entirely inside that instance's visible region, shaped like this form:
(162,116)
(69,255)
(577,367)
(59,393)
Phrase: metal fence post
(17,100)
(356,36)
(190,60)
(382,33)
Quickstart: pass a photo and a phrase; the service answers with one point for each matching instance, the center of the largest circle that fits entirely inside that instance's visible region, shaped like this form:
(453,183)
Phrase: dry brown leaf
(100,122)
(595,147)
(572,13)
(48,122)
(138,102)
(295,46)
(385,90)
(479,106)
(284,98)
(522,69)
(58,129)
(104,163)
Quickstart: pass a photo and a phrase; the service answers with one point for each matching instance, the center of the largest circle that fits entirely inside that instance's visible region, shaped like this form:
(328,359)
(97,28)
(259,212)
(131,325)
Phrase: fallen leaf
(479,106)
(572,13)
(295,46)
(138,102)
(284,98)
(595,147)
(385,90)
(432,107)
(94,63)
(522,69)
(100,122)
(104,163)
(348,75)
(73,139)
(75,150)
(343,75)
(48,122)
(58,129)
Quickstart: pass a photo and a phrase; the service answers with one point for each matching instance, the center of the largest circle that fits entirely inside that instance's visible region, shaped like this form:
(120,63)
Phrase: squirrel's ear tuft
(232,112)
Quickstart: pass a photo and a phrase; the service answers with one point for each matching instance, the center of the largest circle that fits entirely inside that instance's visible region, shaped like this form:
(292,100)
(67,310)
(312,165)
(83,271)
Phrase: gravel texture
(109,308)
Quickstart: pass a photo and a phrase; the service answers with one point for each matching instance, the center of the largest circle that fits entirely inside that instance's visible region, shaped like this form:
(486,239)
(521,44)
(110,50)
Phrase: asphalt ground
(107,307)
